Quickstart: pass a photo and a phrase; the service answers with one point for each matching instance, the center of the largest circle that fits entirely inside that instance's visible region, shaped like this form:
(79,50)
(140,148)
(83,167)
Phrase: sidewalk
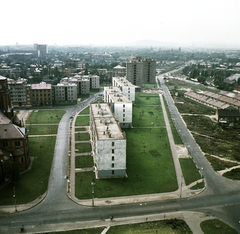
(193,219)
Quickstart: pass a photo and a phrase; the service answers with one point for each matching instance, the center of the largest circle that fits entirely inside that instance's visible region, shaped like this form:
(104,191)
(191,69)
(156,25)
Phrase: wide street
(221,198)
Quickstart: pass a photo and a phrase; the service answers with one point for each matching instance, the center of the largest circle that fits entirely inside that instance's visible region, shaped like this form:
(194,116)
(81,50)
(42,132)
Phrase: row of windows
(5,144)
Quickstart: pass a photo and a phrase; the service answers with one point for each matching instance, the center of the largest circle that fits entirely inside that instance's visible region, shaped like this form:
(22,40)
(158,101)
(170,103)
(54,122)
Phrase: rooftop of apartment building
(122,81)
(117,95)
(107,127)
(42,85)
(65,84)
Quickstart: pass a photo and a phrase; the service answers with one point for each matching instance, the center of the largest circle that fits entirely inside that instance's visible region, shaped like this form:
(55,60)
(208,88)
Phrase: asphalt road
(221,197)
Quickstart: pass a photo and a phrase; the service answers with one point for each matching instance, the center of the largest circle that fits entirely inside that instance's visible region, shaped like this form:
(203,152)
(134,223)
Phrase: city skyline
(94,22)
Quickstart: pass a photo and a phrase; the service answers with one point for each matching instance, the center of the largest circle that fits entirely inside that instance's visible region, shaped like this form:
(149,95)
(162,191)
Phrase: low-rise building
(108,142)
(65,93)
(41,94)
(127,88)
(120,105)
(119,71)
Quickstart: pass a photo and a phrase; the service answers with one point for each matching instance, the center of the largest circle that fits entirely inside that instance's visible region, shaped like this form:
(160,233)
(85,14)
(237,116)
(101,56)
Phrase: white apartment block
(121,106)
(65,92)
(141,70)
(108,143)
(20,92)
(127,88)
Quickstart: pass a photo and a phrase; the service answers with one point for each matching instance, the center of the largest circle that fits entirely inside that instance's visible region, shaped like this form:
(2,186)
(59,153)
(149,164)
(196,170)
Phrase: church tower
(5,98)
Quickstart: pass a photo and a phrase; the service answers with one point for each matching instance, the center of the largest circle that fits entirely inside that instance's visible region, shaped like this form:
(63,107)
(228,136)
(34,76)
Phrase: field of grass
(189,170)
(214,226)
(42,129)
(82,136)
(147,116)
(233,174)
(175,226)
(149,86)
(82,121)
(85,111)
(218,164)
(33,183)
(186,105)
(146,99)
(150,168)
(83,147)
(83,161)
(45,116)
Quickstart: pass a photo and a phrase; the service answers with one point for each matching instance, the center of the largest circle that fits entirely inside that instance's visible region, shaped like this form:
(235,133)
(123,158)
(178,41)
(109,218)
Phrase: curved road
(221,197)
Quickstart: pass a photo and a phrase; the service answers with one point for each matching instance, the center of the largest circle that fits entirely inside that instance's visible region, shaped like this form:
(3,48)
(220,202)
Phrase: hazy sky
(112,22)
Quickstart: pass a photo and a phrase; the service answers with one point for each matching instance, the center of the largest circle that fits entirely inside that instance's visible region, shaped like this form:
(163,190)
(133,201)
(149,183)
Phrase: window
(112,172)
(123,110)
(123,115)
(17,143)
(112,143)
(123,105)
(112,151)
(112,158)
(112,164)
(123,119)
(5,144)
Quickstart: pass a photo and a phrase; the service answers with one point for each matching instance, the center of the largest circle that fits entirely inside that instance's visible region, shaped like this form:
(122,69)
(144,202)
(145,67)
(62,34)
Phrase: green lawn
(149,169)
(42,129)
(34,182)
(82,121)
(45,116)
(85,111)
(82,136)
(83,147)
(147,116)
(190,172)
(149,86)
(146,99)
(214,226)
(176,226)
(83,161)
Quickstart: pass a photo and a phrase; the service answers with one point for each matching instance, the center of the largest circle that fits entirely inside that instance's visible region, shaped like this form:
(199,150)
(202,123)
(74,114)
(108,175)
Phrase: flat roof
(123,81)
(107,127)
(116,95)
(42,85)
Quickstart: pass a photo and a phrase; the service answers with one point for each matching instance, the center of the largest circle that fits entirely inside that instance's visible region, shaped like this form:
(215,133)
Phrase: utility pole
(92,193)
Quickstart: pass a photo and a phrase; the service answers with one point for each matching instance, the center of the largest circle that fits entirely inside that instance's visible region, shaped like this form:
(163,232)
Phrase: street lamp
(92,193)
(14,196)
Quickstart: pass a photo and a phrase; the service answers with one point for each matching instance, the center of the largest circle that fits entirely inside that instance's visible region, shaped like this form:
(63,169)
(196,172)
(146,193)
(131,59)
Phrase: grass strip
(83,147)
(42,129)
(216,226)
(82,136)
(82,121)
(45,116)
(83,161)
(190,172)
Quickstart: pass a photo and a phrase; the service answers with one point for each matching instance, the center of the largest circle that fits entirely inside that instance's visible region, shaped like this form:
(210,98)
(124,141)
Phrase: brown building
(41,94)
(13,136)
(5,98)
